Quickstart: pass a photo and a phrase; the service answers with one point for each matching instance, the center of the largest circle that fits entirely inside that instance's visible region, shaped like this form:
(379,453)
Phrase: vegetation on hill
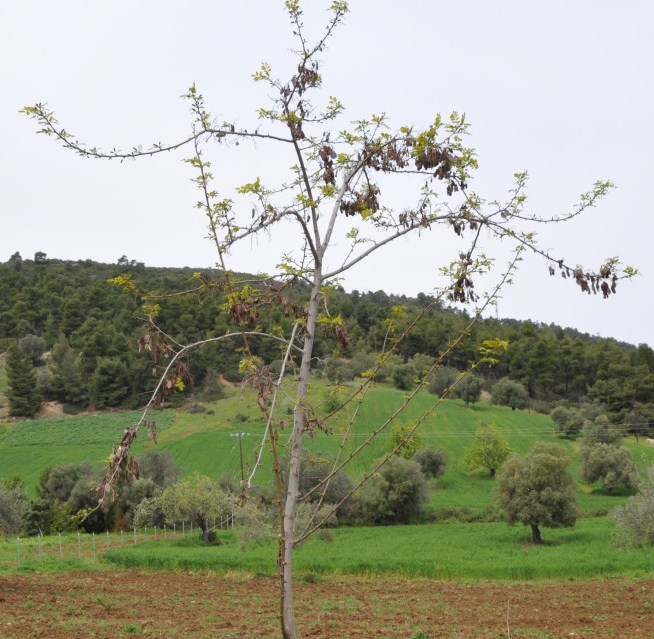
(90,328)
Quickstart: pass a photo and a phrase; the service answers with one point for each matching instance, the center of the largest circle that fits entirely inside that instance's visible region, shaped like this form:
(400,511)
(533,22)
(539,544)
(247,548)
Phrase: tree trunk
(535,535)
(289,630)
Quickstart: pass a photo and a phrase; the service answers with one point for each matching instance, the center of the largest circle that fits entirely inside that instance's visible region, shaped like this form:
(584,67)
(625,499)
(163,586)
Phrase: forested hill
(89,328)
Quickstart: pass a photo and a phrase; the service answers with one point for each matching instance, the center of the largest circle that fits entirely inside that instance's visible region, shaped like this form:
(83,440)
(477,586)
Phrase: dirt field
(113,604)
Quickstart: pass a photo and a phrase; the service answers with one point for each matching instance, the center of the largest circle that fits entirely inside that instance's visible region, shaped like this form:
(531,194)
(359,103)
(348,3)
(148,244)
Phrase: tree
(509,393)
(12,509)
(331,210)
(488,450)
(567,421)
(395,495)
(469,389)
(613,465)
(536,490)
(24,401)
(198,499)
(636,517)
(432,462)
(600,431)
(33,346)
(442,379)
(403,440)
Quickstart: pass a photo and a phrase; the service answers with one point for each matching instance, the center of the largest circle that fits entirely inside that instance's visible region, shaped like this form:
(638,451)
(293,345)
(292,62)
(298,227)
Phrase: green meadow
(205,442)
(469,552)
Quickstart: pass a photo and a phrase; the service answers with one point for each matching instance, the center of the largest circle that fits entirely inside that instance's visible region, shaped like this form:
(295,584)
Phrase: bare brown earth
(114,603)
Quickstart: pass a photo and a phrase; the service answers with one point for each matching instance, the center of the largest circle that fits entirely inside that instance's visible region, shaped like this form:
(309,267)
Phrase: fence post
(155,533)
(174,529)
(61,550)
(40,552)
(121,538)
(107,539)
(79,546)
(183,528)
(135,534)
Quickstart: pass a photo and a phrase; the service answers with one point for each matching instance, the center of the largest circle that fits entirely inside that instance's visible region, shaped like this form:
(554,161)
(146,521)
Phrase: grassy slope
(204,442)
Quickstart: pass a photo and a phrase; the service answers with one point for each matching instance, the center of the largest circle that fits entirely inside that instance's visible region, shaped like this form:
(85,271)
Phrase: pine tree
(24,401)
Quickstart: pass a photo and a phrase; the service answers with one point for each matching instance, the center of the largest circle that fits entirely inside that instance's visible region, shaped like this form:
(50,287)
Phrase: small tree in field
(536,490)
(488,450)
(509,393)
(329,214)
(199,500)
(469,389)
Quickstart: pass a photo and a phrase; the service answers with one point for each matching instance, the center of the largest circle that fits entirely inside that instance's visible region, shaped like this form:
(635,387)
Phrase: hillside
(205,442)
(88,328)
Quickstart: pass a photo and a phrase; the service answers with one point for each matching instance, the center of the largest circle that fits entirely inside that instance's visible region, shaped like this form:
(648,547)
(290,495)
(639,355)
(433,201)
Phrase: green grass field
(204,442)
(484,551)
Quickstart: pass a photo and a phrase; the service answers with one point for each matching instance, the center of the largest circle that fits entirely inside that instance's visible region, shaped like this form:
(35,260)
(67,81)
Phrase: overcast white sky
(561,88)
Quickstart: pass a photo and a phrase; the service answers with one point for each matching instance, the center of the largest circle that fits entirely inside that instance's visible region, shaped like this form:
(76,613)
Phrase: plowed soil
(110,604)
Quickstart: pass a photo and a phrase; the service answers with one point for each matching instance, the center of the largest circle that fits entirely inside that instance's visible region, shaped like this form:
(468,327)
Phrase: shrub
(636,517)
(432,462)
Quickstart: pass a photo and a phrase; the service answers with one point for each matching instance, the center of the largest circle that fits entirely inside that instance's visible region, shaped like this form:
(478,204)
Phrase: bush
(432,462)
(636,517)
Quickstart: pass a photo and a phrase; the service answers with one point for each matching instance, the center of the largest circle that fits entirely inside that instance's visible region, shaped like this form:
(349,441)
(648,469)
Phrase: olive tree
(509,393)
(613,465)
(636,517)
(536,490)
(469,389)
(336,207)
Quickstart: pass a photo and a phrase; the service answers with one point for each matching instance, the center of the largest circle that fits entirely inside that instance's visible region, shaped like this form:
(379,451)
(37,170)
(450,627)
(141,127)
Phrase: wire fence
(14,552)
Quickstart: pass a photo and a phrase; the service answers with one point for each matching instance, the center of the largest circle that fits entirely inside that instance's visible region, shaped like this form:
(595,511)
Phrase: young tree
(331,199)
(199,499)
(509,393)
(536,490)
(488,450)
